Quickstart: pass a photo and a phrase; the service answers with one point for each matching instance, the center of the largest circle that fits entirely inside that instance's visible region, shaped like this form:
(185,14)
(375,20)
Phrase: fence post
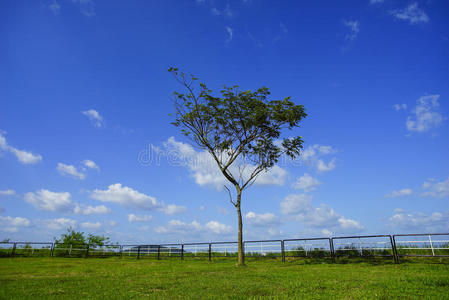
(52,250)
(158,252)
(138,252)
(331,246)
(283,251)
(431,245)
(13,249)
(87,251)
(182,252)
(210,251)
(393,249)
(121,251)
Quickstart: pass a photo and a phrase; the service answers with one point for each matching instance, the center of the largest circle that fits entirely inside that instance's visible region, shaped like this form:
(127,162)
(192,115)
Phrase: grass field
(113,278)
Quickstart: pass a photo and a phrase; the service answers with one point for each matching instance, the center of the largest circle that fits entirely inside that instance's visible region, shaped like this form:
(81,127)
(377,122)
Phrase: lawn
(114,278)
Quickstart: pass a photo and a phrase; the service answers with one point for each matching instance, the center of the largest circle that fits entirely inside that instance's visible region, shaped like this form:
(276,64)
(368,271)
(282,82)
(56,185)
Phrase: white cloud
(419,221)
(87,7)
(50,201)
(60,223)
(217,228)
(323,217)
(7,193)
(202,208)
(214,11)
(173,209)
(176,226)
(411,13)
(228,12)
(143,218)
(425,115)
(123,195)
(436,189)
(399,193)
(90,164)
(95,117)
(230,32)
(205,171)
(399,107)
(323,167)
(295,203)
(354,29)
(376,1)
(306,183)
(266,219)
(25,157)
(92,210)
(313,157)
(70,170)
(10,224)
(55,7)
(90,225)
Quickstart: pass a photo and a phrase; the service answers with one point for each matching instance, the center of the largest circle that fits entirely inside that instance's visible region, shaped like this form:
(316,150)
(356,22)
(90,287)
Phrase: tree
(72,237)
(241,130)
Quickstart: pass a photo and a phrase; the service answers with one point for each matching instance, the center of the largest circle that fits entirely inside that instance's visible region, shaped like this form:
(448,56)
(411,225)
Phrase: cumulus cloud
(94,116)
(91,225)
(436,189)
(354,29)
(425,115)
(399,107)
(411,13)
(230,32)
(176,226)
(55,7)
(90,164)
(59,223)
(25,157)
(418,221)
(217,228)
(142,218)
(313,157)
(10,224)
(126,196)
(306,183)
(205,171)
(266,219)
(173,209)
(399,193)
(70,170)
(50,201)
(91,210)
(300,206)
(7,192)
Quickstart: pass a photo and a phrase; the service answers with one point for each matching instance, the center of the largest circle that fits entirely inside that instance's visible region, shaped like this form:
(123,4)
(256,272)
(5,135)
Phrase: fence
(333,248)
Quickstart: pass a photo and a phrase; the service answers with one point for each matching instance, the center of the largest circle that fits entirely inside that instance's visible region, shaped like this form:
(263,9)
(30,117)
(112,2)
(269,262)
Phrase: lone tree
(241,130)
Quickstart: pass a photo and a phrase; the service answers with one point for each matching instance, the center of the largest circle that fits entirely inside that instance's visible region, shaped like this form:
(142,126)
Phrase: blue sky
(86,140)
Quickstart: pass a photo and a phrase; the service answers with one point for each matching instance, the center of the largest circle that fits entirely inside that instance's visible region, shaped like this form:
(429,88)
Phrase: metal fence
(333,248)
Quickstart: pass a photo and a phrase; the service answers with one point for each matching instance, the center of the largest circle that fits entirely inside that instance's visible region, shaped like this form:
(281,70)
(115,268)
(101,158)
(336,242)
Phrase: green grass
(113,278)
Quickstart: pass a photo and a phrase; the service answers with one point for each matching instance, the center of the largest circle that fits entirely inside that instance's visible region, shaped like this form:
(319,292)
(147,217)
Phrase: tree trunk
(241,253)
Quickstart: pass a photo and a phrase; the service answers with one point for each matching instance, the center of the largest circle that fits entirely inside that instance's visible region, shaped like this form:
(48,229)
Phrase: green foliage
(72,237)
(239,123)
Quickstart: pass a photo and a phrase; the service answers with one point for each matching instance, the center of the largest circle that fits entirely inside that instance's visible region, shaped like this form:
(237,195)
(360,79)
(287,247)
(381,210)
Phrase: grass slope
(113,278)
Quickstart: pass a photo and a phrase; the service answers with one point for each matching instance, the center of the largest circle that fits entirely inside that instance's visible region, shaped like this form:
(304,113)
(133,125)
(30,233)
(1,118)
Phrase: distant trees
(240,126)
(72,237)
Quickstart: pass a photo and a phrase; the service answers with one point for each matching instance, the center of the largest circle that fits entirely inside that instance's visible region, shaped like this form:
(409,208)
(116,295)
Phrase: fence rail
(334,248)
